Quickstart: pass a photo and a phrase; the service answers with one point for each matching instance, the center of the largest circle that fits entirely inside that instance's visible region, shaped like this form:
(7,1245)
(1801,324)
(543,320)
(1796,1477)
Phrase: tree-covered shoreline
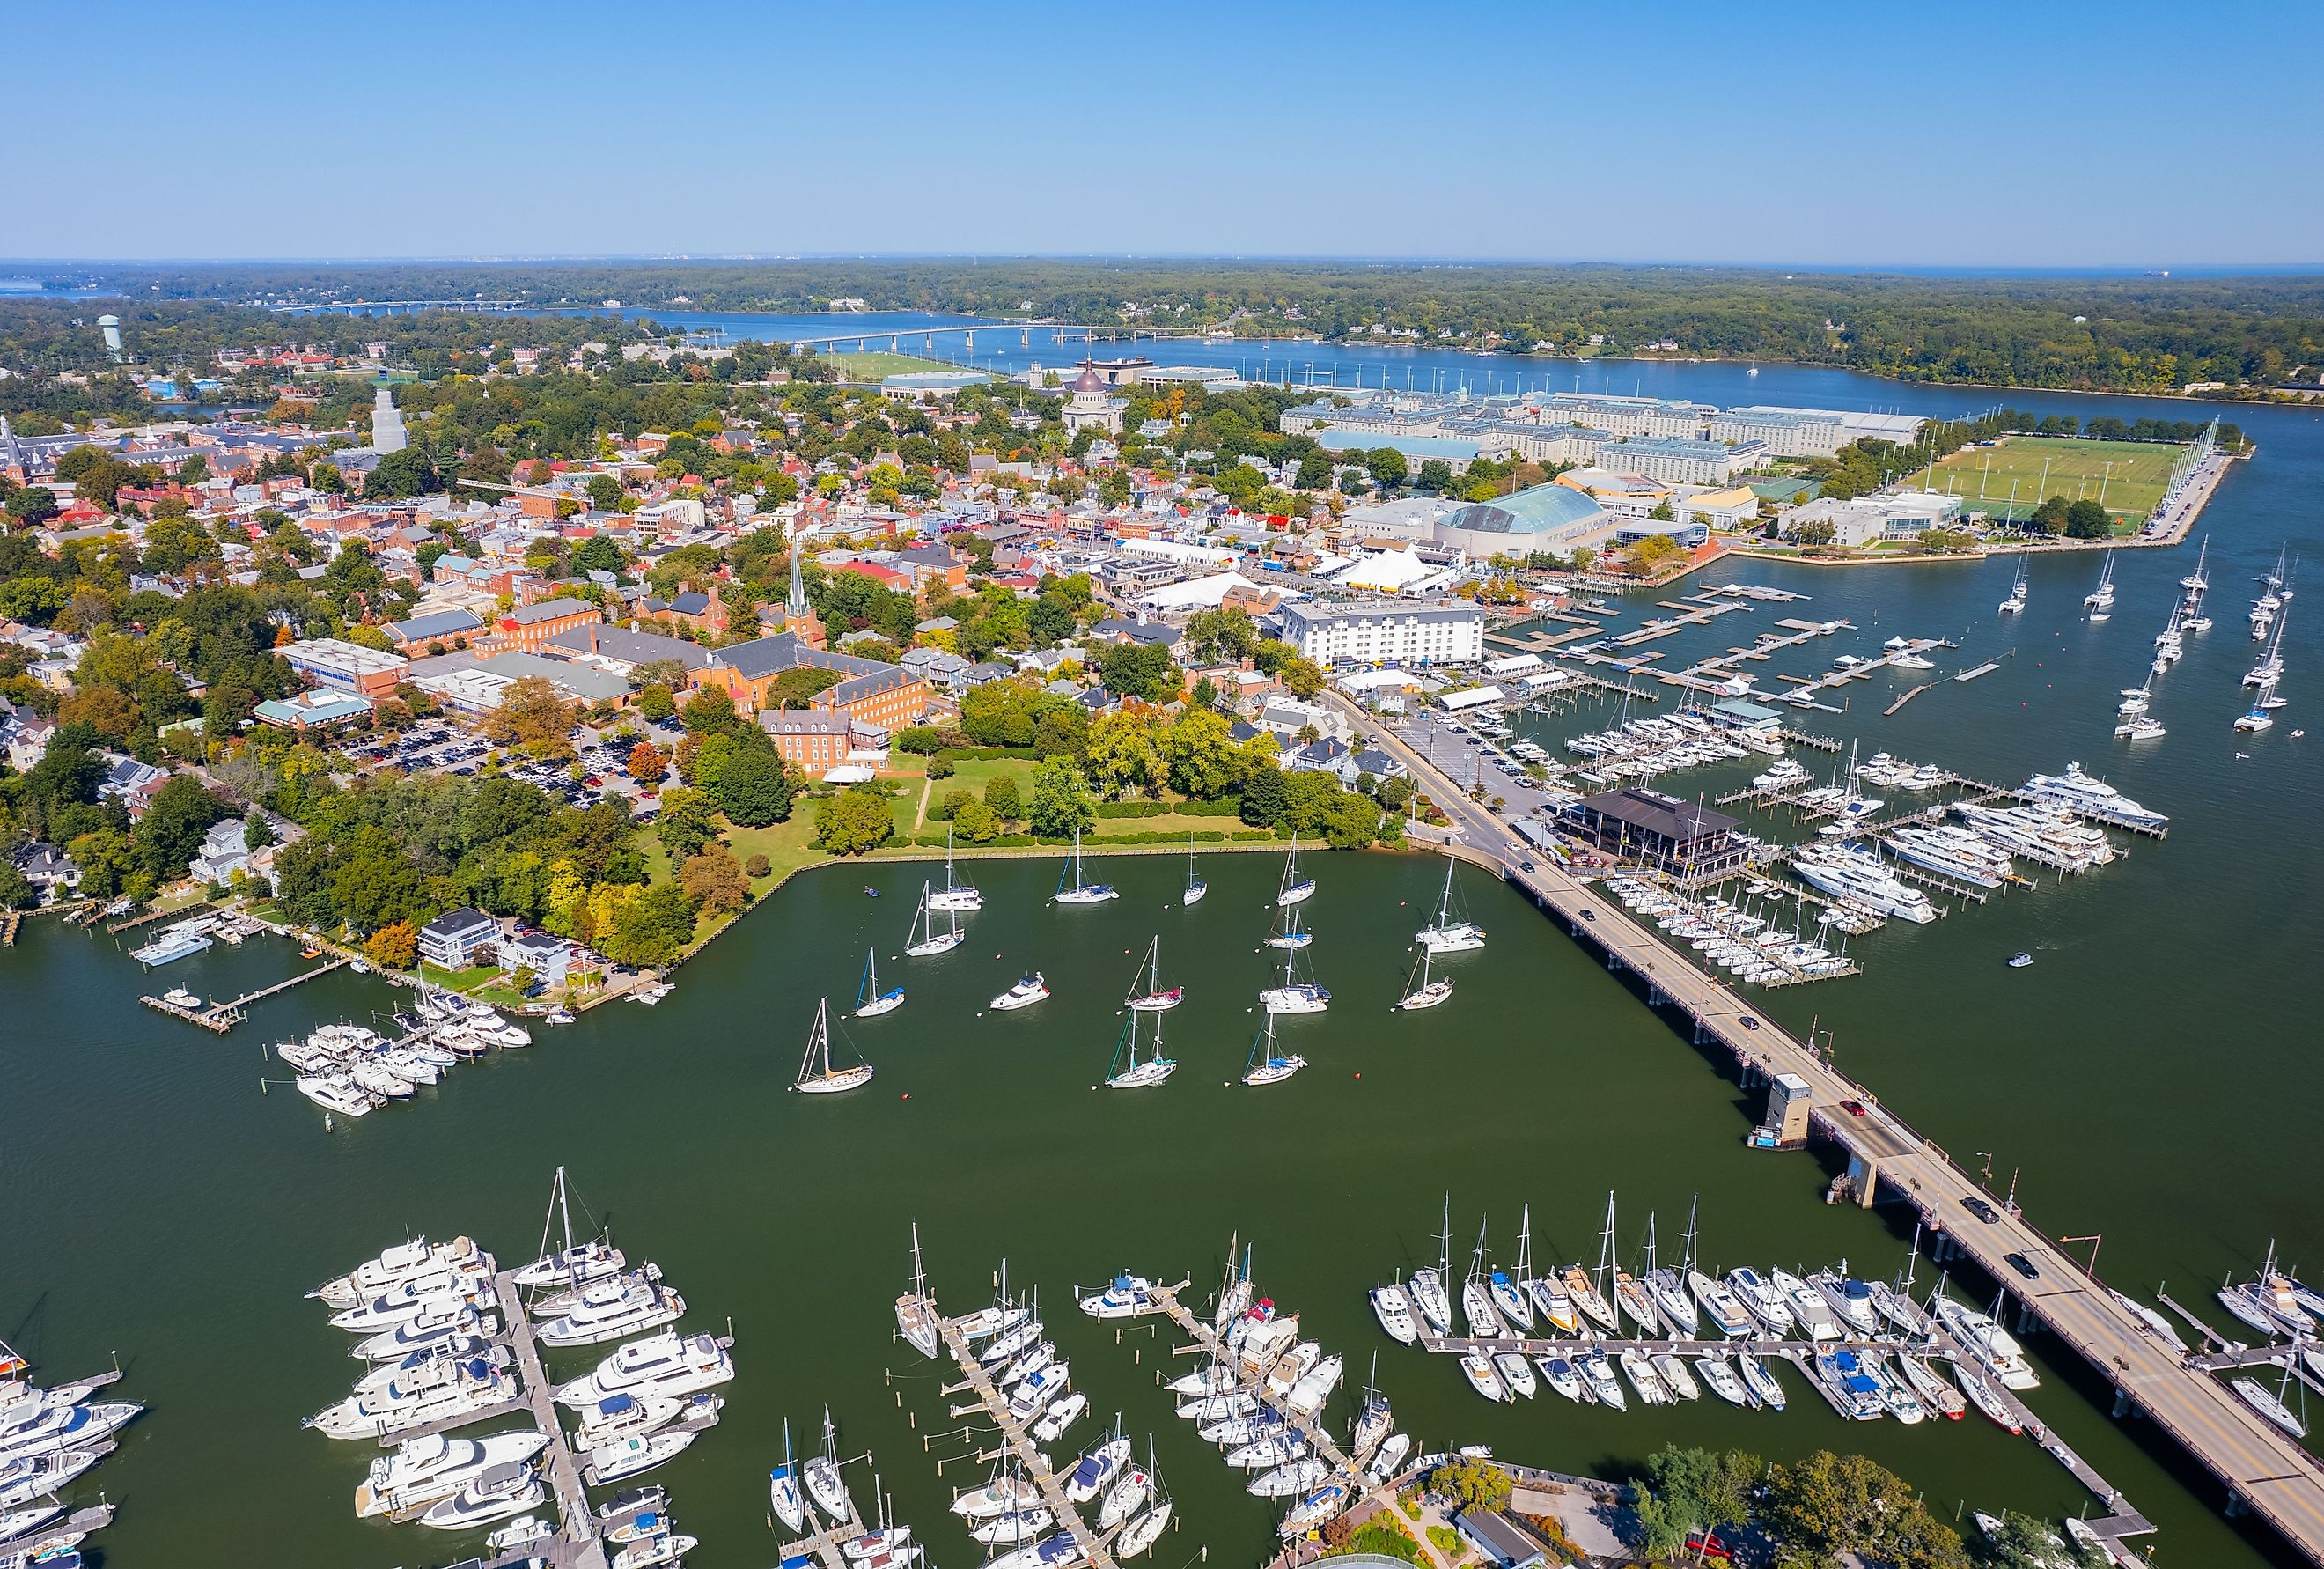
(2094,334)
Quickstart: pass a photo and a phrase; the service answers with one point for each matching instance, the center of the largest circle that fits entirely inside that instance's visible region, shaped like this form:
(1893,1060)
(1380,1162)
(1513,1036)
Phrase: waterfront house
(549,957)
(224,852)
(457,939)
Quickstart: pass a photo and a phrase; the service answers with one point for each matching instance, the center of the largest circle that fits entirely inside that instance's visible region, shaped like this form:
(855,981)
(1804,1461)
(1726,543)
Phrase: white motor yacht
(665,1364)
(450,1322)
(337,1093)
(1986,1341)
(405,1261)
(632,1456)
(611,1309)
(578,1265)
(499,1494)
(1027,992)
(422,1471)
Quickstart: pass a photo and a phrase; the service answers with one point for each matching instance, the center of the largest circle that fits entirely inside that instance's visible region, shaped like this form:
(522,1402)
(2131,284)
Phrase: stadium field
(2132,474)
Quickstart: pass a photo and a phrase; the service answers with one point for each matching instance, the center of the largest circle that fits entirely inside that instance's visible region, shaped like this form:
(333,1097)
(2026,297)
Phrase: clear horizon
(1986,139)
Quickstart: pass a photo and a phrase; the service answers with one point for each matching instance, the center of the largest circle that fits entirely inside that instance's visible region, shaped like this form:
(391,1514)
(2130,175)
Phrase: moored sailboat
(924,941)
(1082,891)
(870,1001)
(816,1076)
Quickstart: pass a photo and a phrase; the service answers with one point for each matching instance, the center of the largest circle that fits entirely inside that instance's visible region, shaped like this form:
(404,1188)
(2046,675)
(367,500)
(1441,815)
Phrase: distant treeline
(2145,335)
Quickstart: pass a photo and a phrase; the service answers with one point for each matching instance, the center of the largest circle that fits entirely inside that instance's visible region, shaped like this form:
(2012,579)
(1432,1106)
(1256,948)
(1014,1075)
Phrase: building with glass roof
(1545,517)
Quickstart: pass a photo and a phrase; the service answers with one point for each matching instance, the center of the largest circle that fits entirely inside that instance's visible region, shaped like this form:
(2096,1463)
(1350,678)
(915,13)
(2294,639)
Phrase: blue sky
(1974,134)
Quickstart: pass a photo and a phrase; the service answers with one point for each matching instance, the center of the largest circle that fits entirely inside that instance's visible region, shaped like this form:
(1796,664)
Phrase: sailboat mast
(564,1209)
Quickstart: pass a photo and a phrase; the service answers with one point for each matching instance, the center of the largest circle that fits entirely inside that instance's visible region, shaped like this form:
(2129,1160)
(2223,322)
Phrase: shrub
(757,866)
(1001,794)
(940,766)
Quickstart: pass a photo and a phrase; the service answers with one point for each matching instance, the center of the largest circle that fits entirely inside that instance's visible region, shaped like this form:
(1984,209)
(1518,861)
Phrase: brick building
(529,626)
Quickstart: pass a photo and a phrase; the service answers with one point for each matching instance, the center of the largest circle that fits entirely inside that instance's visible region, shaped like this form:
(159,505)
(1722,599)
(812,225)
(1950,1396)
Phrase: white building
(1870,519)
(1376,633)
(671,520)
(1631,417)
(1090,407)
(1785,432)
(1677,461)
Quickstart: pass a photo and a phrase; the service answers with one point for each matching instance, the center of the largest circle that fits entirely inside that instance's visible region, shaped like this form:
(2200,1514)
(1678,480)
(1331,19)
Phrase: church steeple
(798,615)
(796,605)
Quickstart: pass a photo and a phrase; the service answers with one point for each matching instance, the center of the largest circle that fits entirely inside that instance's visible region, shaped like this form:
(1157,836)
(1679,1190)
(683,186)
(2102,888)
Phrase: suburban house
(454,940)
(223,853)
(548,956)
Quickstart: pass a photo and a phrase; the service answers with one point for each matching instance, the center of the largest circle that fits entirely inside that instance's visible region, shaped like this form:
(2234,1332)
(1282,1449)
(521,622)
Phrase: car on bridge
(1980,1209)
(2023,1265)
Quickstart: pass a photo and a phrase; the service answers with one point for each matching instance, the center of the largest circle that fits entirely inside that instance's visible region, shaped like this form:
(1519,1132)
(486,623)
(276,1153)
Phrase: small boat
(2156,1323)
(1429,992)
(923,941)
(1598,1377)
(916,1320)
(2018,961)
(178,997)
(816,1076)
(999,1496)
(1516,1373)
(783,1492)
(1195,886)
(955,896)
(1141,1533)
(1935,1394)
(870,1001)
(1760,1379)
(1061,1415)
(1720,1374)
(1094,1471)
(1295,889)
(524,1531)
(1082,891)
(1265,1065)
(1394,1311)
(1388,1460)
(1027,992)
(1639,1368)
(1674,1374)
(1560,1375)
(1484,1377)
(1153,998)
(1128,1296)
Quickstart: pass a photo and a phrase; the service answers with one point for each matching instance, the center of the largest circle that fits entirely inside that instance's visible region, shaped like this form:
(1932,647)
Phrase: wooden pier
(1890,711)
(823,1545)
(1020,1442)
(579,1524)
(221,1017)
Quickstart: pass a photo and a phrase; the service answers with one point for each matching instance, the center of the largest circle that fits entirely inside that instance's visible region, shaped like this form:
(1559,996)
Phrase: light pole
(2094,1239)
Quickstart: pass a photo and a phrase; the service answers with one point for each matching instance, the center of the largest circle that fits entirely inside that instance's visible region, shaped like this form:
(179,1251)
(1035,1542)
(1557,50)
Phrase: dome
(1089,381)
(1544,508)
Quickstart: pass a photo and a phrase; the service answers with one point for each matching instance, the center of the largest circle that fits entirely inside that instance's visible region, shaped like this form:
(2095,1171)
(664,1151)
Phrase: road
(2264,1468)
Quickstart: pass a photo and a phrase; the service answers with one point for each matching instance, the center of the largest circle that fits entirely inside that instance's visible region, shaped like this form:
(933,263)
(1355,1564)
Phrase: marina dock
(579,1524)
(823,1545)
(2262,1469)
(221,1017)
(1020,1445)
(1319,1443)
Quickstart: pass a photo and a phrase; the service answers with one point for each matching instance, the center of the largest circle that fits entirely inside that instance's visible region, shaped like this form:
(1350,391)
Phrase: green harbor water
(2153,1078)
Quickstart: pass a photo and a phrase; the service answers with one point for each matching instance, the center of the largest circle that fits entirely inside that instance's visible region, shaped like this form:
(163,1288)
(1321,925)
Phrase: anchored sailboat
(870,1001)
(1447,936)
(956,896)
(2016,600)
(2100,600)
(1294,996)
(816,1076)
(924,941)
(1291,936)
(1429,992)
(1129,1071)
(1265,1066)
(1295,887)
(1195,886)
(1082,891)
(1153,998)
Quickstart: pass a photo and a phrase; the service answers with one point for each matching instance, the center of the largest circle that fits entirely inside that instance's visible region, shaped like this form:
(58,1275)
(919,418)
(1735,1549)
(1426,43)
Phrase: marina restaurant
(1689,841)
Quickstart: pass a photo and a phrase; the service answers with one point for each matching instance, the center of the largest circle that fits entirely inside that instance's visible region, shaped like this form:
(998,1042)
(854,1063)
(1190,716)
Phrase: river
(2151,1078)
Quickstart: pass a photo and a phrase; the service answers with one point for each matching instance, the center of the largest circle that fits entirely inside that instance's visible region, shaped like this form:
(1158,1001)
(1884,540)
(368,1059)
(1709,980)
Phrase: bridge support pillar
(1863,1180)
(2237,1508)
(2122,1404)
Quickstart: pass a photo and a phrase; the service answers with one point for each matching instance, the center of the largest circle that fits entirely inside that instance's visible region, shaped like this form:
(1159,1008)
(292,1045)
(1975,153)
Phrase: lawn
(2132,475)
(872,365)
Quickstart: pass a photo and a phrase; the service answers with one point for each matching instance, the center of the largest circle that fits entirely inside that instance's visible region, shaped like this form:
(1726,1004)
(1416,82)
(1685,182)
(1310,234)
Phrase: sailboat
(1128,1071)
(1294,996)
(576,1264)
(1082,891)
(2100,600)
(915,1319)
(1477,1306)
(1590,1296)
(2195,582)
(1153,1000)
(2016,600)
(870,1001)
(956,896)
(1631,1297)
(2269,670)
(816,1076)
(1426,1288)
(1429,992)
(924,941)
(1291,936)
(1264,1067)
(1195,886)
(1294,888)
(1509,1295)
(783,1487)
(1448,936)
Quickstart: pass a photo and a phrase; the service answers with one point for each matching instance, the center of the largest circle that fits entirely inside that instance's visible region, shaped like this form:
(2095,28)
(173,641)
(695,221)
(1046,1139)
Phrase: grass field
(872,366)
(2132,475)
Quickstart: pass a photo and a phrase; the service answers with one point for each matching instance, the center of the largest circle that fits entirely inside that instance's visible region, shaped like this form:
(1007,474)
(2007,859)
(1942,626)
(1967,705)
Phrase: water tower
(111,326)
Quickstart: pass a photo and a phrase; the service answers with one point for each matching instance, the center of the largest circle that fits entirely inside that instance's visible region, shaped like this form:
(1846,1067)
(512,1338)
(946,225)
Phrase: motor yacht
(611,1309)
(636,1455)
(425,1470)
(403,1263)
(1725,1310)
(2080,792)
(1809,1310)
(450,1322)
(665,1364)
(336,1093)
(1394,1311)
(1027,992)
(498,1494)
(577,1264)
(1986,1340)
(1850,1299)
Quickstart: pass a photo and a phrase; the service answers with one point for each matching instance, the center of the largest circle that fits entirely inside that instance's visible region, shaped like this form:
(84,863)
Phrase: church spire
(797,603)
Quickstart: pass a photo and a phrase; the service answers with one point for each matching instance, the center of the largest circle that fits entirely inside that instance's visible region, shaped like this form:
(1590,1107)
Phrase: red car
(1853,1108)
(1710,1546)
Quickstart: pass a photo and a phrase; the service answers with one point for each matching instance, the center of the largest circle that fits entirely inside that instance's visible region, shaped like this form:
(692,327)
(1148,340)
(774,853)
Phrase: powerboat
(425,1469)
(1765,1301)
(611,1309)
(449,1323)
(1128,1296)
(1989,1343)
(1809,1309)
(405,1261)
(665,1364)
(1394,1311)
(636,1455)
(498,1494)
(1027,992)
(1850,1299)
(1094,1471)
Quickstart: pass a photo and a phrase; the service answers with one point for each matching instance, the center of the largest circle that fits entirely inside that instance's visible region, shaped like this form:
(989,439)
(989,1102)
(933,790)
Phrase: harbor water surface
(2153,1079)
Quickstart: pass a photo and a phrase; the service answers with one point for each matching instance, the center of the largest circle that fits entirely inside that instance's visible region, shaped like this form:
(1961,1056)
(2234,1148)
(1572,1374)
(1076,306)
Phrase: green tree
(1471,1484)
(1691,1491)
(976,822)
(604,492)
(2025,1543)
(375,883)
(1124,754)
(1001,795)
(1200,748)
(1387,466)
(2050,517)
(1264,797)
(1136,669)
(854,820)
(714,879)
(2086,520)
(170,833)
(653,929)
(754,788)
(31,506)
(656,704)
(1061,802)
(1216,636)
(708,712)
(1830,1505)
(1435,474)
(1303,678)
(687,821)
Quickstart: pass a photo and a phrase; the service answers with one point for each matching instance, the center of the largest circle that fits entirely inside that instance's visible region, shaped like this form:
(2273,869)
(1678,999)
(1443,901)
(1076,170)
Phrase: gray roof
(458,922)
(435,623)
(584,681)
(628,647)
(549,610)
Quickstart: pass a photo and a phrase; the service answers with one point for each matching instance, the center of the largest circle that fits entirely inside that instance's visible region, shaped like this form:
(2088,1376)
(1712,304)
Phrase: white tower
(386,423)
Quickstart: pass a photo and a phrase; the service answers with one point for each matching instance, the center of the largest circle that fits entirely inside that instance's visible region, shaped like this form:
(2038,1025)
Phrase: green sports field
(874,364)
(2132,475)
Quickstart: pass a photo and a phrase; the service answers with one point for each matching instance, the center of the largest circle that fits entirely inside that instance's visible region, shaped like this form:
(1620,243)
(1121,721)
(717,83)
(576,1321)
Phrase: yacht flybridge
(816,1076)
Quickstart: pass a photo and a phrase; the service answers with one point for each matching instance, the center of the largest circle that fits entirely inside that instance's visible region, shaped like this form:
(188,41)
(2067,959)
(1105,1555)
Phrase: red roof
(876,572)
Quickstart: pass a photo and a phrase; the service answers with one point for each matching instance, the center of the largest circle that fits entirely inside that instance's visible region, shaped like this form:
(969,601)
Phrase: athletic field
(874,364)
(2132,475)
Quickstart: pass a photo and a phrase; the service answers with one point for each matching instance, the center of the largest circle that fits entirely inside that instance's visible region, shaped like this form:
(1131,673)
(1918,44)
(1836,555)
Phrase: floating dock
(580,1525)
(221,1017)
